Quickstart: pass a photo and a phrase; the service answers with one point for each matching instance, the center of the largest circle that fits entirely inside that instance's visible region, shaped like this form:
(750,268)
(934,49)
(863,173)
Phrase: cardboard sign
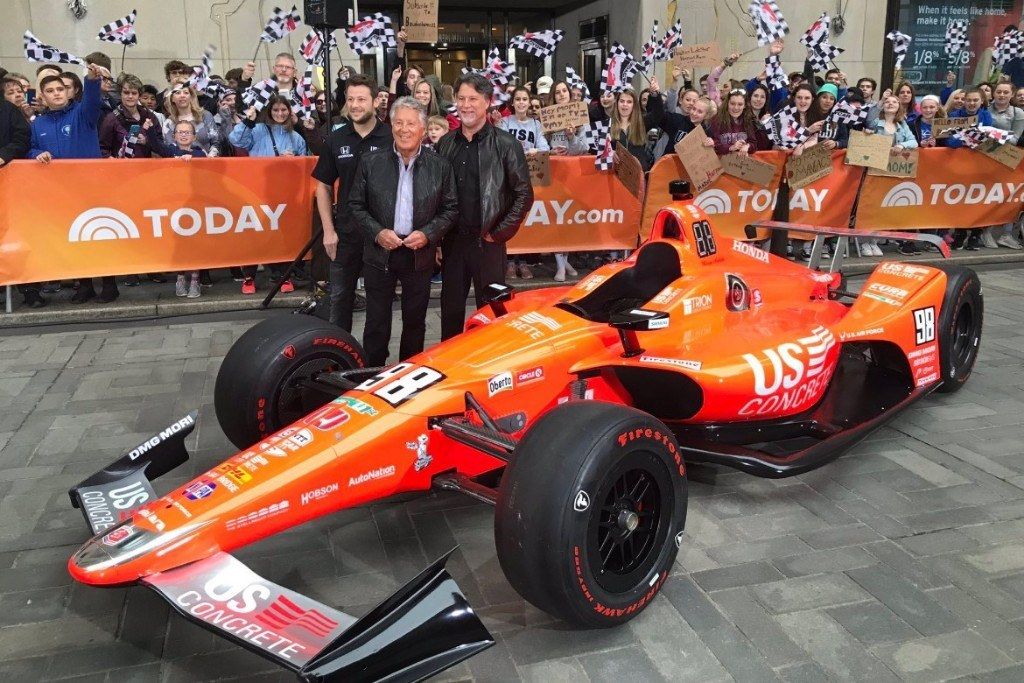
(699,160)
(1009,155)
(562,116)
(902,164)
(746,167)
(704,55)
(814,164)
(941,127)
(629,171)
(540,168)
(871,150)
(421,20)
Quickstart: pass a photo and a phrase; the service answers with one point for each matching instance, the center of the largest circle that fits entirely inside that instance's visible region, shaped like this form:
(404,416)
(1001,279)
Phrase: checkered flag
(498,71)
(200,78)
(820,50)
(280,24)
(649,50)
(768,21)
(573,80)
(777,78)
(41,52)
(304,102)
(259,94)
(120,31)
(971,137)
(900,45)
(844,112)
(312,47)
(784,129)
(538,43)
(1008,46)
(620,69)
(672,39)
(598,137)
(371,32)
(956,39)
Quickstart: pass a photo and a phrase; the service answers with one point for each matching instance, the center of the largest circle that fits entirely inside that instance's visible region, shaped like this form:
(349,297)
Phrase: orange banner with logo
(582,209)
(71,219)
(828,202)
(732,203)
(954,188)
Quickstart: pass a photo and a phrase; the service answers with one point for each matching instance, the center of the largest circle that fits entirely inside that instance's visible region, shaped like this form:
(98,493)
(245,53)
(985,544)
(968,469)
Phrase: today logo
(105,223)
(715,201)
(909,194)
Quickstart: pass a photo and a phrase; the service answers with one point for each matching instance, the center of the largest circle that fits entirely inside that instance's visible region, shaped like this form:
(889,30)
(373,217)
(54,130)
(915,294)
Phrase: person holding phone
(116,130)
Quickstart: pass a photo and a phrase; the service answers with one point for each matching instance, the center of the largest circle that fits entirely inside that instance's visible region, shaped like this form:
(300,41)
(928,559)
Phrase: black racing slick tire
(959,327)
(258,389)
(590,512)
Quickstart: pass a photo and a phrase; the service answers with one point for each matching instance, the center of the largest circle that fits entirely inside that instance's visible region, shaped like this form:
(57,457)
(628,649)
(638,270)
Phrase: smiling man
(404,201)
(494,196)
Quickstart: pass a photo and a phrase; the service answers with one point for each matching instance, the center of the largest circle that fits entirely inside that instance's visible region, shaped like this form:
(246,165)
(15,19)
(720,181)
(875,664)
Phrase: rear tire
(256,393)
(959,327)
(590,512)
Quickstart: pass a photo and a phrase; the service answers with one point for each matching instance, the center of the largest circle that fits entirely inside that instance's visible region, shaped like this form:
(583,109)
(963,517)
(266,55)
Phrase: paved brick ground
(902,560)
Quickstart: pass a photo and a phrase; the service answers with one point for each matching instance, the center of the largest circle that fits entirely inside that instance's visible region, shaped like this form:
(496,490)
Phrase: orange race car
(573,410)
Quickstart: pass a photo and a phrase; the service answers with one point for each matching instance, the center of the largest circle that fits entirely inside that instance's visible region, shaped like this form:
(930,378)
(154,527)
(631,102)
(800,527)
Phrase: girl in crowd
(803,100)
(73,84)
(428,97)
(893,121)
(602,109)
(733,129)
(907,99)
(182,104)
(973,105)
(271,136)
(955,100)
(629,127)
(832,135)
(535,106)
(185,147)
(931,109)
(568,142)
(757,102)
(530,135)
(1018,97)
(413,75)
(1005,116)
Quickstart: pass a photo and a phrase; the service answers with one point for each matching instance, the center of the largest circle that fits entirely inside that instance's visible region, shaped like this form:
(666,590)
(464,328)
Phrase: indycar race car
(573,410)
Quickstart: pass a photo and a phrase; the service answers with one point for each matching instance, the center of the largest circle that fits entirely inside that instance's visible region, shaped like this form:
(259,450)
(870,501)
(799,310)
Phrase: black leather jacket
(506,194)
(374,196)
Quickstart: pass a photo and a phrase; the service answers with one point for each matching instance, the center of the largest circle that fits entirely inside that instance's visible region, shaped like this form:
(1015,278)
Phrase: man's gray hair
(407,102)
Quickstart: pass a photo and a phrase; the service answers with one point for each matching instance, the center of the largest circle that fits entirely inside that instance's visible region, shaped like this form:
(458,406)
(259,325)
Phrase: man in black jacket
(494,196)
(15,136)
(403,199)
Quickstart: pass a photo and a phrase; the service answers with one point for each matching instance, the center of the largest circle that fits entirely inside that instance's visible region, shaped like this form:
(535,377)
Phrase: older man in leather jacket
(494,196)
(403,199)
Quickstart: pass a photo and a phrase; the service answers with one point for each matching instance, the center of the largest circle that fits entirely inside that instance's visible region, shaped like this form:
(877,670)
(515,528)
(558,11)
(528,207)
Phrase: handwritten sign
(699,160)
(562,116)
(707,55)
(629,171)
(814,164)
(540,168)
(902,164)
(941,127)
(748,168)
(421,20)
(1008,155)
(869,150)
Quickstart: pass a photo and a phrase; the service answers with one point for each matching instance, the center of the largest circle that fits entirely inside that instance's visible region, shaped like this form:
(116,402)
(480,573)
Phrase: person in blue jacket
(68,130)
(271,134)
(974,105)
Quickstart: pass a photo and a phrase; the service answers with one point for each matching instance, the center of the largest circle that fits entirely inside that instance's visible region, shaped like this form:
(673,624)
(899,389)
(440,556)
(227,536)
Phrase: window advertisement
(927,64)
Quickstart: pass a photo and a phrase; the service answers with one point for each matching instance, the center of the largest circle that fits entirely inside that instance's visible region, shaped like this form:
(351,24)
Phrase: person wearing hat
(833,134)
(544,84)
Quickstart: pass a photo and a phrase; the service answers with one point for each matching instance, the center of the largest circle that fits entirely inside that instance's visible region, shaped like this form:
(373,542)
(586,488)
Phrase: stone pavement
(902,560)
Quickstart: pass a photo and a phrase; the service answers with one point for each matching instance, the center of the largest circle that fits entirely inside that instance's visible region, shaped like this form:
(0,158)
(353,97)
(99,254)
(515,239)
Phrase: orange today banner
(71,219)
(582,209)
(954,188)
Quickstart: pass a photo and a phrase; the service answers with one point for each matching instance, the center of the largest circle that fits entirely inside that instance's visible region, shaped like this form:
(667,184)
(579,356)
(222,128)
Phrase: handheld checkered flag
(820,50)
(1008,46)
(619,70)
(200,78)
(370,32)
(573,80)
(649,50)
(36,51)
(499,73)
(259,94)
(313,46)
(598,137)
(900,45)
(304,102)
(120,31)
(538,43)
(280,24)
(672,39)
(956,40)
(784,129)
(845,112)
(768,21)
(777,78)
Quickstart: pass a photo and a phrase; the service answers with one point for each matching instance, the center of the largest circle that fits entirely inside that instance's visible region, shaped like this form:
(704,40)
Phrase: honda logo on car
(750,250)
(105,223)
(799,374)
(372,475)
(499,383)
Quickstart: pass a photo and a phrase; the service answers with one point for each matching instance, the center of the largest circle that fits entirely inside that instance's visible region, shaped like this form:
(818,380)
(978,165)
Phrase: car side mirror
(637,320)
(497,295)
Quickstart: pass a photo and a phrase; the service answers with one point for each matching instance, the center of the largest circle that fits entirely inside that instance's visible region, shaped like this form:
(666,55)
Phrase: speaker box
(333,13)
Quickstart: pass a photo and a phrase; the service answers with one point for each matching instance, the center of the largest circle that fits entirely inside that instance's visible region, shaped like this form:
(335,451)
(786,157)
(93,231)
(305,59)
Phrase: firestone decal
(581,502)
(675,362)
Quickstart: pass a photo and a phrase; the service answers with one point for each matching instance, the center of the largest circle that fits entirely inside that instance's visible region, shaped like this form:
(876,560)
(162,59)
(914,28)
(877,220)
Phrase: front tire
(257,391)
(590,512)
(959,327)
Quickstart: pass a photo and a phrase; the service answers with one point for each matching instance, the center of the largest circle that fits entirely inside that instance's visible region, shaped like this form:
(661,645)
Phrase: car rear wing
(844,234)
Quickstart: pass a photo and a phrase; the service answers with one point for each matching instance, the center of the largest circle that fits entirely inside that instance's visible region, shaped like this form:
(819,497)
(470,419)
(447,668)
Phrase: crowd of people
(421,181)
